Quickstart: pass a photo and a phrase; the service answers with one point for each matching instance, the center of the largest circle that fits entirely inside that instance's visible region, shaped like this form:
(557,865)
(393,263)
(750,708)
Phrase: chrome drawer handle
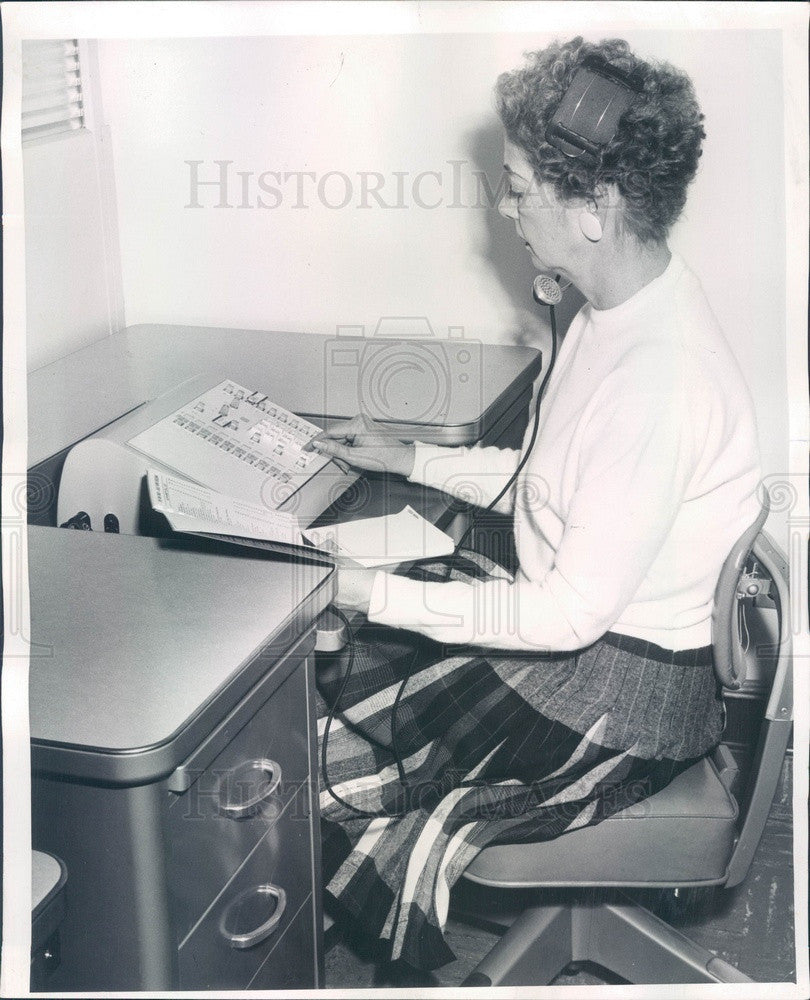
(258,934)
(269,782)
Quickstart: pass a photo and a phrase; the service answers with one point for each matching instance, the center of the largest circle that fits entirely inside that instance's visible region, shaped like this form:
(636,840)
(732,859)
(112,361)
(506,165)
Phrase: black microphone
(547,291)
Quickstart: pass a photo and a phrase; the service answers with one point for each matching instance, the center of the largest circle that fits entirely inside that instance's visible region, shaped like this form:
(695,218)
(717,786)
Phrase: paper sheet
(190,507)
(383,541)
(370,542)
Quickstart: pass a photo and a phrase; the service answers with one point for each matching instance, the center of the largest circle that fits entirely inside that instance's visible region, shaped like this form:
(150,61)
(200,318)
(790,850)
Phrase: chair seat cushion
(684,833)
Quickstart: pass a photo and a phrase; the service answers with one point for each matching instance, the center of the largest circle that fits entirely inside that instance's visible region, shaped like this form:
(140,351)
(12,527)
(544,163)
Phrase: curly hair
(651,159)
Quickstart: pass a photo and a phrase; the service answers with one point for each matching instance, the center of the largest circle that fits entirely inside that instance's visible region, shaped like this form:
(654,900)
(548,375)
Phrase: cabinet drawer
(291,964)
(215,824)
(209,959)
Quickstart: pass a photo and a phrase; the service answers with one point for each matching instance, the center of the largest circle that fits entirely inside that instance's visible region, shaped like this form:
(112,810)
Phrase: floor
(751,927)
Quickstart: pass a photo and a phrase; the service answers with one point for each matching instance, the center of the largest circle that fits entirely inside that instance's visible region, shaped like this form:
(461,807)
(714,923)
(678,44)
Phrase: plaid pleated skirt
(487,748)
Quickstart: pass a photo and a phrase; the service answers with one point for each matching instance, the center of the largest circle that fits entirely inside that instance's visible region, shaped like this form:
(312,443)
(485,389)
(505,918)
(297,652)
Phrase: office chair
(700,831)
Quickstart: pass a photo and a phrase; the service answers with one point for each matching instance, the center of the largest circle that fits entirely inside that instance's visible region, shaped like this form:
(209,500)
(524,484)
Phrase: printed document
(369,542)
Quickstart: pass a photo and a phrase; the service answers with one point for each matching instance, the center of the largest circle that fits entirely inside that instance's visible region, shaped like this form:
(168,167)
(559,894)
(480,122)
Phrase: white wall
(72,258)
(381,104)
(409,104)
(66,260)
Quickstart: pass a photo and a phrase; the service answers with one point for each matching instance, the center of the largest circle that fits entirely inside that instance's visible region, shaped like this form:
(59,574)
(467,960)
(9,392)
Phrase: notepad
(384,541)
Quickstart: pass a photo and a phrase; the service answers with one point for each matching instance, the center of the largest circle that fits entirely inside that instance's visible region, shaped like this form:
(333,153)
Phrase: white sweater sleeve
(475,475)
(634,462)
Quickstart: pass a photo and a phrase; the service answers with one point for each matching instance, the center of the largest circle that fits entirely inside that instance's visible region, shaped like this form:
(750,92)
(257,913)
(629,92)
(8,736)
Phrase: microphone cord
(476,517)
(330,716)
(366,813)
(457,549)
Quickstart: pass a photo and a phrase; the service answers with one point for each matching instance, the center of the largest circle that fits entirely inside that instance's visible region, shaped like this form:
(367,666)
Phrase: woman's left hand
(354,585)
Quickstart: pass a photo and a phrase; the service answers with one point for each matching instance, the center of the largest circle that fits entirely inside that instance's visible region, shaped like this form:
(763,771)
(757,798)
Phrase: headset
(587,118)
(585,121)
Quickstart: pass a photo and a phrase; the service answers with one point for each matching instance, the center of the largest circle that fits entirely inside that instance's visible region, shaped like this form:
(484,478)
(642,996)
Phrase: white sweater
(643,475)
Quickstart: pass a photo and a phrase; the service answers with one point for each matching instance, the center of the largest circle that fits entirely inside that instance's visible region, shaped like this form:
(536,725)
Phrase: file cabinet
(182,793)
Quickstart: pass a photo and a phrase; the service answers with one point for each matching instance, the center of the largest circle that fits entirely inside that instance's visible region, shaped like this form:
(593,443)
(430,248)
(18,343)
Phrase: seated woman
(546,701)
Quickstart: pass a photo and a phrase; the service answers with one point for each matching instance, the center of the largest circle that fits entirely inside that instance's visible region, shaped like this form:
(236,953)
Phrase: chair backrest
(729,661)
(774,734)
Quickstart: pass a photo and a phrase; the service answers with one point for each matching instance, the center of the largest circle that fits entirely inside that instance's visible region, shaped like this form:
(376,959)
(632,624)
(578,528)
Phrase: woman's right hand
(366,445)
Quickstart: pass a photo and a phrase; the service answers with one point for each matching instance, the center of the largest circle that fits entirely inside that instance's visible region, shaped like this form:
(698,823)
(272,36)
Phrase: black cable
(327,726)
(475,518)
(411,666)
(513,478)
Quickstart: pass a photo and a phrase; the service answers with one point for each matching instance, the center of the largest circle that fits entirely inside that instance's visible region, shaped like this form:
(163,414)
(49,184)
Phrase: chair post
(534,950)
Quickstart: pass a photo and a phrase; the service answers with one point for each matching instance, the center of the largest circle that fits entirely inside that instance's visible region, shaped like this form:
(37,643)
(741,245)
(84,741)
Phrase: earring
(590,226)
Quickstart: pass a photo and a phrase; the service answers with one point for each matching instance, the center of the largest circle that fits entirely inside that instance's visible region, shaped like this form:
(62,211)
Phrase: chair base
(620,936)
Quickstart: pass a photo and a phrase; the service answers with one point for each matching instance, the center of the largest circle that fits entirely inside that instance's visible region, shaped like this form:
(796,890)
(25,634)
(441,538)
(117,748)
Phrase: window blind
(51,88)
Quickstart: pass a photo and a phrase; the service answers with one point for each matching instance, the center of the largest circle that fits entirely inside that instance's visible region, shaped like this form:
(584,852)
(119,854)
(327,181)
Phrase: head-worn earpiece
(588,114)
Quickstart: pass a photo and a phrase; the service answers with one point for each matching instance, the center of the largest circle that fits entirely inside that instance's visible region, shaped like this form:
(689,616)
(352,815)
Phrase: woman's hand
(366,445)
(354,585)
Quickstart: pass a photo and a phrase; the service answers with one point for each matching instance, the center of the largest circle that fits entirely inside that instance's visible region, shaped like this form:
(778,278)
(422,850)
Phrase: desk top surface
(133,638)
(457,382)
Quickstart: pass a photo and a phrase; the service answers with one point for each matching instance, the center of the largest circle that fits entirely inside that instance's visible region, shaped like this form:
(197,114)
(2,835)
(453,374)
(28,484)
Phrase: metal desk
(171,667)
(313,375)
